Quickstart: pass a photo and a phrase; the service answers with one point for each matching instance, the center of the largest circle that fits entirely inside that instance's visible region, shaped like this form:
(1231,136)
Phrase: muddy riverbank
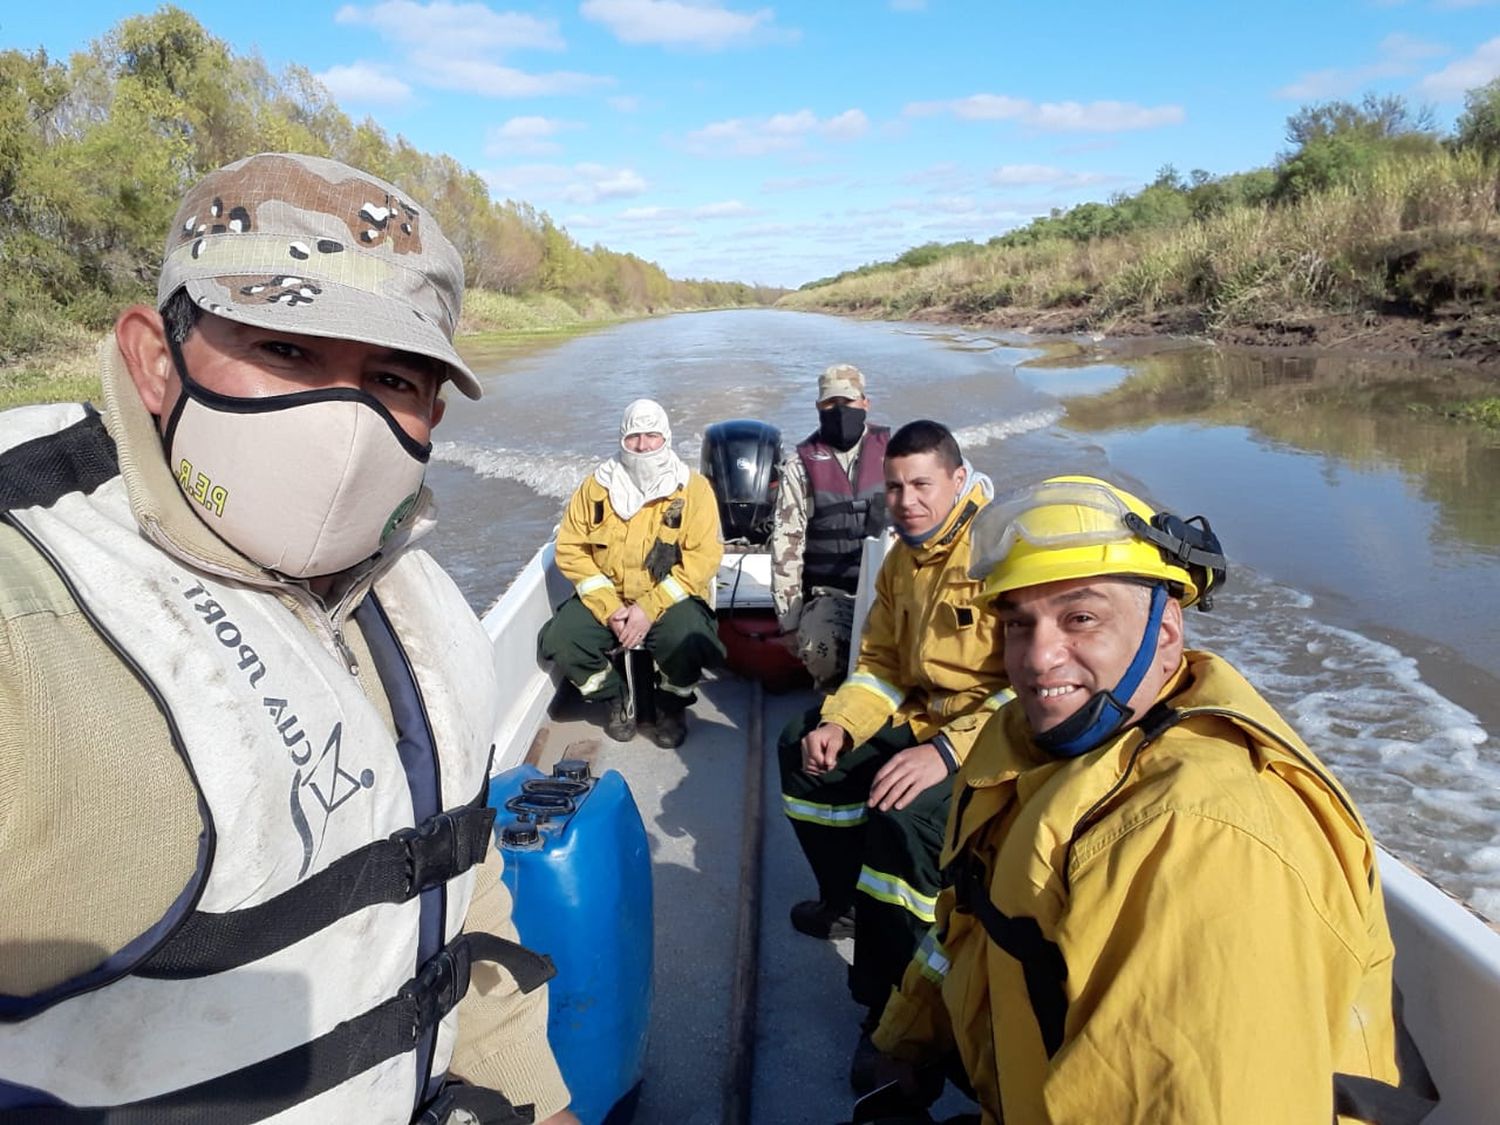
(1470,339)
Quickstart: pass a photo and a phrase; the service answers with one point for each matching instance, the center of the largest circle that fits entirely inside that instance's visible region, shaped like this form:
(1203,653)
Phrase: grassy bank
(1416,239)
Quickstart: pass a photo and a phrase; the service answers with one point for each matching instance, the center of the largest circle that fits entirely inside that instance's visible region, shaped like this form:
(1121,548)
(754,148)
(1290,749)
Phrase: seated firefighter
(865,779)
(640,543)
(832,496)
(1163,907)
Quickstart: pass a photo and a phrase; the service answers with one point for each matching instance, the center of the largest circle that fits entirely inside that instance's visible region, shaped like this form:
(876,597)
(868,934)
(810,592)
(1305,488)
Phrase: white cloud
(1032,175)
(461,29)
(728,209)
(781,132)
(847,126)
(580,184)
(1096,117)
(362,82)
(456,46)
(624,103)
(527,136)
(481,77)
(1396,57)
(675,23)
(1463,74)
(1103,117)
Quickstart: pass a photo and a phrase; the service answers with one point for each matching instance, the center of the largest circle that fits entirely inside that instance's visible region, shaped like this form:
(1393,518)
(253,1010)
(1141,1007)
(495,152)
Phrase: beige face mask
(306,484)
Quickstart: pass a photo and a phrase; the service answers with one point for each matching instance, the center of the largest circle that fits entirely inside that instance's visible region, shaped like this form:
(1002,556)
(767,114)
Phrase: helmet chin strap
(1106,711)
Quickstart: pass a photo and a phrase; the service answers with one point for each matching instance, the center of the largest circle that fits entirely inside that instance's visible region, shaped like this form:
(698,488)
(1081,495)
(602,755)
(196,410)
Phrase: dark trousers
(682,642)
(884,863)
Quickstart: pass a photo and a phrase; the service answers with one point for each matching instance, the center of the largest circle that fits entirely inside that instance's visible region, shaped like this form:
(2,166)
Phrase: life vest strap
(301,1073)
(393,870)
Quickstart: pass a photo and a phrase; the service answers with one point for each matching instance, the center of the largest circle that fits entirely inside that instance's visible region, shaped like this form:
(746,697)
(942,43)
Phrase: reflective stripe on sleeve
(892,695)
(591,583)
(932,960)
(897,892)
(673,588)
(830,816)
(667,686)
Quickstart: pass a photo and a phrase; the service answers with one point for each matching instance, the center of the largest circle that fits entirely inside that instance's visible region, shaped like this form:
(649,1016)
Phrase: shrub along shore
(1371,233)
(1404,257)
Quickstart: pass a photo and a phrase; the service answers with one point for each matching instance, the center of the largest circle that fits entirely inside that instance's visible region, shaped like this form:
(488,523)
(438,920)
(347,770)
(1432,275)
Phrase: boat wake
(986,433)
(1409,755)
(548,474)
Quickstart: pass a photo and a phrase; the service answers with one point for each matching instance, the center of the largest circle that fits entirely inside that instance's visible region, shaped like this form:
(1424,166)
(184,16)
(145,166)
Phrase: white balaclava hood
(635,479)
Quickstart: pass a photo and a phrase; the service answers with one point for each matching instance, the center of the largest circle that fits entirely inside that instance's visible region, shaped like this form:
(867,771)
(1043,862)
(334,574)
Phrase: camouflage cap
(842,380)
(308,245)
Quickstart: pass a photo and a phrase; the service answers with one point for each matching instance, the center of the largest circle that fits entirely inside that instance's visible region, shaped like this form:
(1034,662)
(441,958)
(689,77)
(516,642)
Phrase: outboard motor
(741,459)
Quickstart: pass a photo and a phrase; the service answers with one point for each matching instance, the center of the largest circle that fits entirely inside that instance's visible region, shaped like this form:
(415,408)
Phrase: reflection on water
(1364,537)
(1366,414)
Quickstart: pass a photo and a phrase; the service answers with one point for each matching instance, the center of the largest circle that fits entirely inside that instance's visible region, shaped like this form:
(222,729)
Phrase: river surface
(1363,530)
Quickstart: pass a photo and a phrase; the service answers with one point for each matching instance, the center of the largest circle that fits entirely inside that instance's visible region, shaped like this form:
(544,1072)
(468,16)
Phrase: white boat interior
(752,1021)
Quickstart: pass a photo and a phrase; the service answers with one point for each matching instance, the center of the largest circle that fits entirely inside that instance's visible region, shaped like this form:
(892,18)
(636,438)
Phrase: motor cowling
(742,459)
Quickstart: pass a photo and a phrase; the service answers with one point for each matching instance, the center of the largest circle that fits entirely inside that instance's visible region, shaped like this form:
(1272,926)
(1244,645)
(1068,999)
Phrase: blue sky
(778,143)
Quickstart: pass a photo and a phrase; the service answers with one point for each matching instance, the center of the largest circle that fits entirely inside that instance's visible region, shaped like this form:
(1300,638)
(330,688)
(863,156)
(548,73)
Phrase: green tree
(1478,126)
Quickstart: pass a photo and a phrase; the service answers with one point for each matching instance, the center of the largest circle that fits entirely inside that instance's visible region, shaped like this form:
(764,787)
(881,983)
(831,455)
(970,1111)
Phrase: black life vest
(845,508)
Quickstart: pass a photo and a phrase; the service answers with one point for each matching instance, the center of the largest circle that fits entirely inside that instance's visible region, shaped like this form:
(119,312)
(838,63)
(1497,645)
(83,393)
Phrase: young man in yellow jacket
(1163,907)
(866,779)
(640,542)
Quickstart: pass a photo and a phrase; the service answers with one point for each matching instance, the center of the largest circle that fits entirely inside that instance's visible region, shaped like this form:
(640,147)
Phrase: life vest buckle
(444,845)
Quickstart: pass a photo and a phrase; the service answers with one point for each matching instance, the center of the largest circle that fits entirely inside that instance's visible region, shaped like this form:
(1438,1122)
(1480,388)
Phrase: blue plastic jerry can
(579,869)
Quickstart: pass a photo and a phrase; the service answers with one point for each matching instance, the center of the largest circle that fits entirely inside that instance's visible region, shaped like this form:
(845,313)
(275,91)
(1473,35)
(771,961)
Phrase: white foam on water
(971,437)
(1418,765)
(548,474)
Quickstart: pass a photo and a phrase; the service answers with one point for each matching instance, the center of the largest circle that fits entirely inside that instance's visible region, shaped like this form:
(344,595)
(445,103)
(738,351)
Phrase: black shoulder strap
(37,473)
(1042,962)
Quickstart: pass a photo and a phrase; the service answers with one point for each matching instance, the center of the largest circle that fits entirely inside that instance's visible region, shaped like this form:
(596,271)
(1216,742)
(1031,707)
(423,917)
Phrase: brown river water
(1363,527)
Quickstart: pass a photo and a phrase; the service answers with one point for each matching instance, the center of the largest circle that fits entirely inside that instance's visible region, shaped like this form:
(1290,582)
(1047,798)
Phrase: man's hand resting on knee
(904,778)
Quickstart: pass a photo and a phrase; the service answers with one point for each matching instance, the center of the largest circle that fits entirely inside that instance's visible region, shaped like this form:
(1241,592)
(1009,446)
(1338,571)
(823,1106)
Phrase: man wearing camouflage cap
(249,869)
(832,496)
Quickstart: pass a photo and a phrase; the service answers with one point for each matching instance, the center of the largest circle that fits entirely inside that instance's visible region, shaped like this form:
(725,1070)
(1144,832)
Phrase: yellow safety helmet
(1083,527)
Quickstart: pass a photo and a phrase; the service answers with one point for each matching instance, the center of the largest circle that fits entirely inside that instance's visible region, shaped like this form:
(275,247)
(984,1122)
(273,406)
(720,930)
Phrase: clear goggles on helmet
(1051,515)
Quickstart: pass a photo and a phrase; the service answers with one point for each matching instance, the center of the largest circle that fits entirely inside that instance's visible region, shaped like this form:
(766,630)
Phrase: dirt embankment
(1469,339)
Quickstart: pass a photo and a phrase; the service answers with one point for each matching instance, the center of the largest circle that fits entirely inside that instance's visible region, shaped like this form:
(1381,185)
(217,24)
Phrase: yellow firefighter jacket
(1200,914)
(605,557)
(929,656)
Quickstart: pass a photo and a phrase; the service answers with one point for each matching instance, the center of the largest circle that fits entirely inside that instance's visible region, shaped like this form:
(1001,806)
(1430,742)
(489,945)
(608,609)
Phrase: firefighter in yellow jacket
(640,542)
(865,780)
(1163,907)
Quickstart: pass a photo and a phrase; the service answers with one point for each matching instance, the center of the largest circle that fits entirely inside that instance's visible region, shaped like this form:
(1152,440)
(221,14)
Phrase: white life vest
(278,967)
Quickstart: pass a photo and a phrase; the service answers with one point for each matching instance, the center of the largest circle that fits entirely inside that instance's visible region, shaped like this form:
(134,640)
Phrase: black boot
(620,726)
(823,920)
(670,729)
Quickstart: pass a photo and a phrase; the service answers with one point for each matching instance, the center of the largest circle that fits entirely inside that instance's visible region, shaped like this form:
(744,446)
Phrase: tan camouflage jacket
(792,512)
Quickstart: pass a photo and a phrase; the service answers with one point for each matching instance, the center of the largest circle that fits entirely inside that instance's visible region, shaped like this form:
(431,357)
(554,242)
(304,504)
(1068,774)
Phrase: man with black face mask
(832,496)
(247,726)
